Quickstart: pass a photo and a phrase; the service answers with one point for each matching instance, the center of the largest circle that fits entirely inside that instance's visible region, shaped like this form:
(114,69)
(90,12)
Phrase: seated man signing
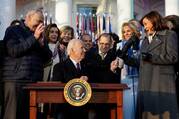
(71,68)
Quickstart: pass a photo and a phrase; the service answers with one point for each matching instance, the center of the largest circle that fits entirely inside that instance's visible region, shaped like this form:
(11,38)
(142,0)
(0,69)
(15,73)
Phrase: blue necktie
(78,66)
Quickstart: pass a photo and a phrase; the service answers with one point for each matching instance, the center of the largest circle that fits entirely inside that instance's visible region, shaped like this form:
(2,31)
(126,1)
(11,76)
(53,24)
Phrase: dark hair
(105,35)
(86,34)
(115,37)
(47,30)
(174,19)
(15,22)
(156,19)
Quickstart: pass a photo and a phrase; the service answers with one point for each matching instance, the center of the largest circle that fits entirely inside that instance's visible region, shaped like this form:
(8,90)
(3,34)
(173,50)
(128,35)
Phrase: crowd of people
(146,59)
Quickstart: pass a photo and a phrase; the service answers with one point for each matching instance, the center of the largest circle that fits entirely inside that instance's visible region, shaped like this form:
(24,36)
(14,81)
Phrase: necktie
(78,66)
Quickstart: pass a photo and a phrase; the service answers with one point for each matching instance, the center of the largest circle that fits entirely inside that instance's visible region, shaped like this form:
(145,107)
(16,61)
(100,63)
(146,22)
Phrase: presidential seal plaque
(77,92)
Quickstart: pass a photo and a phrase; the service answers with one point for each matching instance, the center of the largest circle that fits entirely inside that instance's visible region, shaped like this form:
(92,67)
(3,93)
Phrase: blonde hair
(67,28)
(132,26)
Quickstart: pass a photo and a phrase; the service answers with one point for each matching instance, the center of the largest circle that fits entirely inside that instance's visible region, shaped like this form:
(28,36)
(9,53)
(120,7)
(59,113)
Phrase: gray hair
(72,44)
(34,11)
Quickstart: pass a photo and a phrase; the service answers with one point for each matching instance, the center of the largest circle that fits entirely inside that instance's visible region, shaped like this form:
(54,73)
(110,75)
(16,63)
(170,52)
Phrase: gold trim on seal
(77,92)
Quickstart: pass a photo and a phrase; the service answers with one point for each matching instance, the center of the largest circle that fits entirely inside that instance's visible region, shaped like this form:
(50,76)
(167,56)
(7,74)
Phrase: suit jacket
(99,70)
(66,71)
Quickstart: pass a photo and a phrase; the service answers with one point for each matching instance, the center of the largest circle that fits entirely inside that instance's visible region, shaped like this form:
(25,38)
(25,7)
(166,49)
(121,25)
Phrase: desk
(52,92)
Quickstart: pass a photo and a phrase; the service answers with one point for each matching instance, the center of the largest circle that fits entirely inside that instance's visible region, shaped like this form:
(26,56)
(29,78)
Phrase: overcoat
(156,91)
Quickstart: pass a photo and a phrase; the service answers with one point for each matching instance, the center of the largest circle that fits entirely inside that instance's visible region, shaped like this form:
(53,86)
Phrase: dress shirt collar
(100,53)
(151,36)
(75,63)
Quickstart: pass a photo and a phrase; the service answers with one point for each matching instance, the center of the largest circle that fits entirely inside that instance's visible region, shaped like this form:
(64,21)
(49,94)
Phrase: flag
(77,24)
(88,25)
(110,27)
(104,23)
(80,24)
(92,24)
(83,24)
(99,26)
(95,23)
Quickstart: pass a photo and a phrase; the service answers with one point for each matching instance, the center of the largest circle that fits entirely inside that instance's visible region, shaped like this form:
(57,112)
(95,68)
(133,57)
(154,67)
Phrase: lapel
(155,42)
(145,45)
(71,67)
(96,53)
(70,71)
(108,56)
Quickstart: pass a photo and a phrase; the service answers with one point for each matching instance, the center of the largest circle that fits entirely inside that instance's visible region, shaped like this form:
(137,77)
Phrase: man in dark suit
(103,62)
(71,68)
(105,70)
(103,67)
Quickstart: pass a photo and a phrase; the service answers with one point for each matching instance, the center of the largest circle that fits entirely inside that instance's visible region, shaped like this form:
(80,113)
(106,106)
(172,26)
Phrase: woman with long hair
(156,87)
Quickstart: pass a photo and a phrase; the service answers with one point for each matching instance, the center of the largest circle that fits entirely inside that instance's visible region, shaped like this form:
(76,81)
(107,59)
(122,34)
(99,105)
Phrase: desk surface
(58,85)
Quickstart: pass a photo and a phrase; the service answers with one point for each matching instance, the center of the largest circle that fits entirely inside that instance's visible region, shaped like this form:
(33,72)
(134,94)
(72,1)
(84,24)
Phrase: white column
(125,12)
(171,7)
(7,14)
(63,12)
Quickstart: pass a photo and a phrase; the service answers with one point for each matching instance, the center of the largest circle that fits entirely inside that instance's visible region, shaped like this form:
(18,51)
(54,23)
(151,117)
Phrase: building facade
(64,12)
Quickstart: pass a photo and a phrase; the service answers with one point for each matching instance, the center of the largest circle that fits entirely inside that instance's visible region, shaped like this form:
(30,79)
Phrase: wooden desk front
(52,92)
